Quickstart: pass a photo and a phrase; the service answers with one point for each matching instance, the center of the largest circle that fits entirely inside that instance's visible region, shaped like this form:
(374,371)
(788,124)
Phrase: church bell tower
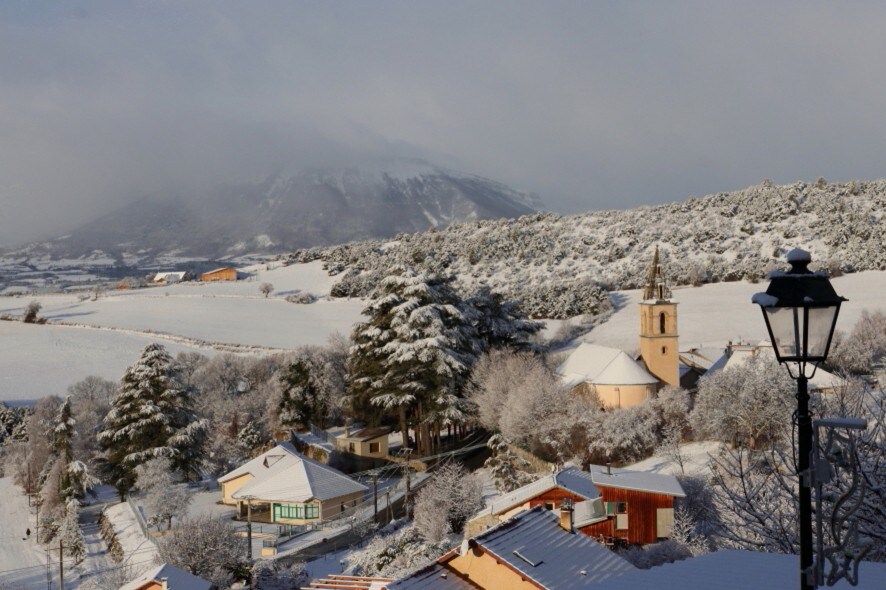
(658,327)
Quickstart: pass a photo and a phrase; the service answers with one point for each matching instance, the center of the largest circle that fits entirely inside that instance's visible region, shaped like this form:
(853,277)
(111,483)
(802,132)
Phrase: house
(361,441)
(167,577)
(284,486)
(639,505)
(610,504)
(729,569)
(738,353)
(220,274)
(167,278)
(619,380)
(535,548)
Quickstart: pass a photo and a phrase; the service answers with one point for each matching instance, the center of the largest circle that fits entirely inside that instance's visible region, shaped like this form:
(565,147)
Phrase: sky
(591,105)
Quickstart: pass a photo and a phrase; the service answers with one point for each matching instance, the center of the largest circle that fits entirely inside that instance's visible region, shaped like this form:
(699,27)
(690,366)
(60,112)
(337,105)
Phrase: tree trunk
(403,428)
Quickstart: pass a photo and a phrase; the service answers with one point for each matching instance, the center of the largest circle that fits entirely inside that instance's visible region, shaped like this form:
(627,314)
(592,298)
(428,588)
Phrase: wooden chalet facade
(219,274)
(634,516)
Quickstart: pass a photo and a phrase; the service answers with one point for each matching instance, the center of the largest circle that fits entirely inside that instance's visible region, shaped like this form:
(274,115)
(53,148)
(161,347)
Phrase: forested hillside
(561,266)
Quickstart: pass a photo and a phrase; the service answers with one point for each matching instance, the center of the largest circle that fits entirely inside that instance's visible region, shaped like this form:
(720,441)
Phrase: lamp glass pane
(786,324)
(821,321)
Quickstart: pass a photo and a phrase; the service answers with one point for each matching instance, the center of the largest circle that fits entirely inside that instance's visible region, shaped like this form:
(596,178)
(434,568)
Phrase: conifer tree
(500,323)
(301,402)
(150,417)
(413,353)
(70,534)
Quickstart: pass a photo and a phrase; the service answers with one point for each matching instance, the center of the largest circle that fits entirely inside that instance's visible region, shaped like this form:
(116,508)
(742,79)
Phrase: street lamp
(800,308)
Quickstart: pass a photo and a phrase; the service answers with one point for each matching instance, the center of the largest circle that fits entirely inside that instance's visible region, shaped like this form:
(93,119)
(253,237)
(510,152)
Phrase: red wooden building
(610,504)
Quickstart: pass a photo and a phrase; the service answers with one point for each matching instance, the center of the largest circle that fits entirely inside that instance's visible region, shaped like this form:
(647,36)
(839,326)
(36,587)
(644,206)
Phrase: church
(619,380)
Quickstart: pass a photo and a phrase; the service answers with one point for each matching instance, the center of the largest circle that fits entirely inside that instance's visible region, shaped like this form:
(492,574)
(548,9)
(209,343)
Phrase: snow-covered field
(103,337)
(711,315)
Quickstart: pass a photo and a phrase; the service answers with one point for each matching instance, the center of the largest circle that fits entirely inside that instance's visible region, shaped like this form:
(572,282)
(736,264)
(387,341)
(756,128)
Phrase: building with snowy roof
(618,380)
(167,577)
(729,569)
(167,278)
(535,548)
(220,274)
(610,504)
(286,487)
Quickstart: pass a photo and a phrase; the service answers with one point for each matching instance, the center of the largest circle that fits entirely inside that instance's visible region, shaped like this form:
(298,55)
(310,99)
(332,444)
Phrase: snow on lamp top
(799,255)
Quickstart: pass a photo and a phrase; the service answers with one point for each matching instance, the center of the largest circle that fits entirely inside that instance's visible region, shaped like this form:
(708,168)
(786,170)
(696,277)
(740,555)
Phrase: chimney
(608,468)
(566,515)
(164,583)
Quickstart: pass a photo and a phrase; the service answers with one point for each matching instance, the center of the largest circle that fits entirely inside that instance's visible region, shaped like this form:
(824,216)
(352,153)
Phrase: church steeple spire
(656,288)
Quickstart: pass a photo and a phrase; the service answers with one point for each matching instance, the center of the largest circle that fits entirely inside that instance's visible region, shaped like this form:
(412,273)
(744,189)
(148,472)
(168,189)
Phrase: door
(664,522)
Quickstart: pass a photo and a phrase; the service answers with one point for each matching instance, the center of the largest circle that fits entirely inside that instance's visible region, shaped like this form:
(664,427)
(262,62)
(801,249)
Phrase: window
(664,349)
(287,511)
(352,448)
(661,322)
(374,447)
(616,508)
(549,505)
(312,511)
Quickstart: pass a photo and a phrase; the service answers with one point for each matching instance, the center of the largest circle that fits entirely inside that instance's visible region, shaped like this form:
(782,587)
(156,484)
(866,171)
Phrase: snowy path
(22,562)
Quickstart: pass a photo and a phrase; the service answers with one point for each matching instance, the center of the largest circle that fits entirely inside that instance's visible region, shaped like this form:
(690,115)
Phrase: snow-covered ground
(696,460)
(103,337)
(137,548)
(22,560)
(711,315)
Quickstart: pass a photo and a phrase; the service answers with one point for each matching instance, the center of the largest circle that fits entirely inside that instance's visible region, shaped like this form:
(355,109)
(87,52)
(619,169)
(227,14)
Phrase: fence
(139,516)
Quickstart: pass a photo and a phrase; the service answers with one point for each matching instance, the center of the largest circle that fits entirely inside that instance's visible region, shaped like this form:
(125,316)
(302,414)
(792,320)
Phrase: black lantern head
(800,308)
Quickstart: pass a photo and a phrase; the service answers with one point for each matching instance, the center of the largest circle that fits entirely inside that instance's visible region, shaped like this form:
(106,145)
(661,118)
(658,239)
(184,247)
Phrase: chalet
(639,505)
(361,441)
(284,486)
(167,577)
(729,569)
(550,491)
(220,274)
(610,504)
(535,548)
(167,278)
(617,379)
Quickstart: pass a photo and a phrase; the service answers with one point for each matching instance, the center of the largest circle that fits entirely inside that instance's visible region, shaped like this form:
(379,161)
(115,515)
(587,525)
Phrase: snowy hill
(562,266)
(311,207)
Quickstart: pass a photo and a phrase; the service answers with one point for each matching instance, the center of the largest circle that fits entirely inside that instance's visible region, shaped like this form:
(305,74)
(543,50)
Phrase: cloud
(592,105)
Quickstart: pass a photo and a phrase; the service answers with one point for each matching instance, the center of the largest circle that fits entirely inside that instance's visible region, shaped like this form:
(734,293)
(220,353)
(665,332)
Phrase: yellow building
(361,441)
(284,486)
(219,274)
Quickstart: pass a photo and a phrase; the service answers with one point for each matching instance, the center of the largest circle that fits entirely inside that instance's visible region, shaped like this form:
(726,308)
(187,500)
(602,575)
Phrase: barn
(219,274)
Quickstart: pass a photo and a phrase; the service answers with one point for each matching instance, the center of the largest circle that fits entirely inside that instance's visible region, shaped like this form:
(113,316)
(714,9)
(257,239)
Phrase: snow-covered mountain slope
(317,206)
(562,266)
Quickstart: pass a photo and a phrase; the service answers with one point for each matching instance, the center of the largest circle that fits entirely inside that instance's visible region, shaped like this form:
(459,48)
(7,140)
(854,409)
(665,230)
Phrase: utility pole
(249,526)
(29,484)
(390,508)
(61,564)
(408,483)
(37,502)
(375,495)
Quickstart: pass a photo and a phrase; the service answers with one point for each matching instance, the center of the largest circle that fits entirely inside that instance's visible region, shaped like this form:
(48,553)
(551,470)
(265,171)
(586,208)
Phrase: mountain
(311,207)
(564,266)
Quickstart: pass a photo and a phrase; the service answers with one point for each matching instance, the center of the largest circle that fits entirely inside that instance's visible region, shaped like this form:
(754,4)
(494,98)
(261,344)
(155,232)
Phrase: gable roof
(571,479)
(729,569)
(360,434)
(534,544)
(176,579)
(602,365)
(431,577)
(281,474)
(641,481)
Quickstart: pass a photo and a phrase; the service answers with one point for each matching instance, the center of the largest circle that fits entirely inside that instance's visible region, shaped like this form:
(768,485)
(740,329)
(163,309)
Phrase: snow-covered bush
(446,502)
(655,554)
(207,547)
(864,349)
(301,298)
(396,550)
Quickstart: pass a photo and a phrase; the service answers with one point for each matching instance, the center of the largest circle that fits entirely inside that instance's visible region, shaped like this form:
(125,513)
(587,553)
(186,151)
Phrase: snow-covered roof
(283,475)
(176,579)
(165,276)
(641,481)
(740,354)
(571,479)
(431,577)
(588,512)
(730,569)
(215,270)
(361,434)
(602,365)
(533,543)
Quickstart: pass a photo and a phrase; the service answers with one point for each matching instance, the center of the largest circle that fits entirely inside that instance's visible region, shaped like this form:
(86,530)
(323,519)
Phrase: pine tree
(506,466)
(70,534)
(301,403)
(250,437)
(412,355)
(150,417)
(500,323)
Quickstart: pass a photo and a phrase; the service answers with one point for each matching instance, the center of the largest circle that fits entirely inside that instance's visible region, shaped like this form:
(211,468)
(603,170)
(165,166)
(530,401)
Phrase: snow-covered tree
(207,547)
(250,438)
(272,575)
(30,314)
(70,534)
(864,349)
(165,498)
(746,405)
(500,323)
(396,550)
(506,467)
(411,355)
(301,403)
(266,289)
(514,393)
(150,417)
(446,502)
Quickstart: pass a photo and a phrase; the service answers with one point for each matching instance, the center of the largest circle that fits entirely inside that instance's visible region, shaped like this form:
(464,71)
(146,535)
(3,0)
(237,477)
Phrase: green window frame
(312,511)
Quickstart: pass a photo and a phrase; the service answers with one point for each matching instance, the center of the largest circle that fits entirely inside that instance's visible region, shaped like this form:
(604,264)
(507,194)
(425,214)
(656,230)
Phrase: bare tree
(446,502)
(266,289)
(165,499)
(205,546)
(31,311)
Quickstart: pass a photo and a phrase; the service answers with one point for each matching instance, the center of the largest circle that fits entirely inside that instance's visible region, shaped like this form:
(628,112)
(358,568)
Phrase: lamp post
(800,308)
